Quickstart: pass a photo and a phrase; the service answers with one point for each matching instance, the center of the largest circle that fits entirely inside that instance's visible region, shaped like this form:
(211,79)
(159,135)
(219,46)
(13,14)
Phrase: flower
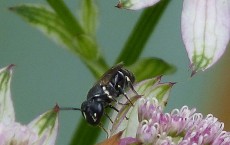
(180,127)
(149,124)
(41,131)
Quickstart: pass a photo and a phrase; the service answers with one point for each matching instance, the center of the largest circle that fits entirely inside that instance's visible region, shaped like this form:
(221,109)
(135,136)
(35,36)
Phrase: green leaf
(84,132)
(150,67)
(85,44)
(66,16)
(88,47)
(89,16)
(141,33)
(48,22)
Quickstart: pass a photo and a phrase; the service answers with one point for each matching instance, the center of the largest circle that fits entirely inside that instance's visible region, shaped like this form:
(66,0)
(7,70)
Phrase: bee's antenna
(69,108)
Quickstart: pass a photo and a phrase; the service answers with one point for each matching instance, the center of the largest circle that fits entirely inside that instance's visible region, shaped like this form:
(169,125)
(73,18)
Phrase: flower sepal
(150,88)
(41,131)
(136,4)
(46,126)
(6,105)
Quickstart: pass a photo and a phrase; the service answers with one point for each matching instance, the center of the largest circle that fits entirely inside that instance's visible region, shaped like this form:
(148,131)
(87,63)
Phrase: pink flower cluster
(180,127)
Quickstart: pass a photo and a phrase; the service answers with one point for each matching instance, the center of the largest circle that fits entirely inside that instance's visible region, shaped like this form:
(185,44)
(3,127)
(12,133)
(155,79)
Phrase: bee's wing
(106,77)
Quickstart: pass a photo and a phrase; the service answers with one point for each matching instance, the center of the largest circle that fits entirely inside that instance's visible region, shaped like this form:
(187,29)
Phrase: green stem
(98,65)
(141,33)
(84,130)
(85,134)
(67,17)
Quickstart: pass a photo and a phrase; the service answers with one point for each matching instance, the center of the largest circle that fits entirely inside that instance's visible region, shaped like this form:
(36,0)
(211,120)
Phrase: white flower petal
(205,26)
(6,104)
(136,4)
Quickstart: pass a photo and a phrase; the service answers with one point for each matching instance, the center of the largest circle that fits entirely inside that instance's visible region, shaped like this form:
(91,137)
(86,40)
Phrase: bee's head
(92,111)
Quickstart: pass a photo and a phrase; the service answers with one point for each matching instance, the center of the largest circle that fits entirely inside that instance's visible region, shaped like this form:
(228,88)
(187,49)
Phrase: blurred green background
(46,74)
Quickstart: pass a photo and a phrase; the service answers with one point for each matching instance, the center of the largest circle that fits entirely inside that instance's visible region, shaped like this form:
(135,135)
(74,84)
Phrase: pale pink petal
(205,26)
(17,134)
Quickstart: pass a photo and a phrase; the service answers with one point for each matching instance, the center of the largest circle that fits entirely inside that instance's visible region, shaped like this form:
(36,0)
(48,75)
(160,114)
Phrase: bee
(104,92)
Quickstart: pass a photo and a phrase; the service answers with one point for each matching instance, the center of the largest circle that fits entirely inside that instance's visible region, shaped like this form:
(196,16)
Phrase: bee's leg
(122,103)
(130,84)
(101,126)
(108,117)
(128,98)
(115,100)
(114,108)
(123,93)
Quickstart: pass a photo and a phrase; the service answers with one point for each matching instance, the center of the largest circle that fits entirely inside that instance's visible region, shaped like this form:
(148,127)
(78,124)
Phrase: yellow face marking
(84,115)
(94,117)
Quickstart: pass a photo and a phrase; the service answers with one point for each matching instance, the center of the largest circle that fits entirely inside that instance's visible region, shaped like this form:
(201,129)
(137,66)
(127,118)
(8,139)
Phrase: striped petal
(6,104)
(46,126)
(205,26)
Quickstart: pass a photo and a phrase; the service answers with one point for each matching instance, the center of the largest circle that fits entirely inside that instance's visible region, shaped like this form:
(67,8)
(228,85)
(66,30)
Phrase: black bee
(106,91)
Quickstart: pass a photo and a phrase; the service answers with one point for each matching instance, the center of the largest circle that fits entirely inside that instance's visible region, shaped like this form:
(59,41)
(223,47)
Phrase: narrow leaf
(89,16)
(6,104)
(141,33)
(150,67)
(84,132)
(71,23)
(85,44)
(48,22)
(87,47)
